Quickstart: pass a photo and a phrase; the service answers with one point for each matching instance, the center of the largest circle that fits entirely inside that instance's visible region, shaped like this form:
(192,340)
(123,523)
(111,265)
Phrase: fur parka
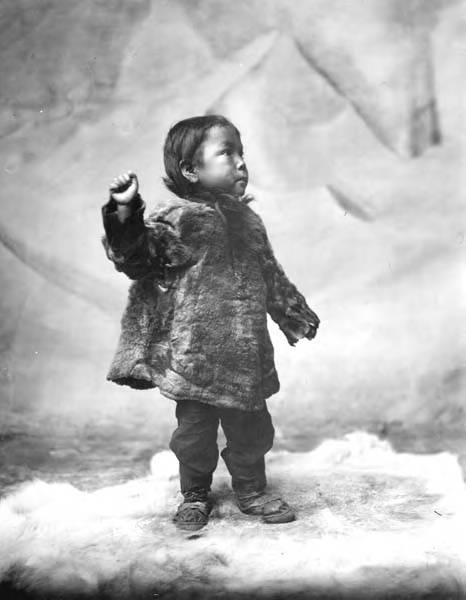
(195,324)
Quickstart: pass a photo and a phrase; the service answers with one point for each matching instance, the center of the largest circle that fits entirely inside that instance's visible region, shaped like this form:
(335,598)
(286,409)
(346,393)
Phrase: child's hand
(308,330)
(124,188)
(312,332)
(313,323)
(297,332)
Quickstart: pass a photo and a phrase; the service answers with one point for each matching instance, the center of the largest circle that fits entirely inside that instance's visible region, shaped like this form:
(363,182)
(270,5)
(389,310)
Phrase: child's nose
(240,164)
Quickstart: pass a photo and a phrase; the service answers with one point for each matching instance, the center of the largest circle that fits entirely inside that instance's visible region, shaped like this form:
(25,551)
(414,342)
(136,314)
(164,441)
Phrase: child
(195,325)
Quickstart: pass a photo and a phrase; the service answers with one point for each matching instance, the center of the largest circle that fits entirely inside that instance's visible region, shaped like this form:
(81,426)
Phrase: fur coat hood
(195,324)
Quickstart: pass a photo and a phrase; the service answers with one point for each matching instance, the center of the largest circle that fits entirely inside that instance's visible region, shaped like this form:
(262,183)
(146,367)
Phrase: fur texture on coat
(195,324)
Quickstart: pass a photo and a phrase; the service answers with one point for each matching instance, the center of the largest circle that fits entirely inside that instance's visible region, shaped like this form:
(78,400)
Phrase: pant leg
(249,437)
(194,443)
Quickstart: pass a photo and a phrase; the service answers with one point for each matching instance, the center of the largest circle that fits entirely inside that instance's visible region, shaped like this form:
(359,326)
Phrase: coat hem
(221,400)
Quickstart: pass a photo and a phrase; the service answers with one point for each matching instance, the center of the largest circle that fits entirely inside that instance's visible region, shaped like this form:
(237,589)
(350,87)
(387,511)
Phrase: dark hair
(181,143)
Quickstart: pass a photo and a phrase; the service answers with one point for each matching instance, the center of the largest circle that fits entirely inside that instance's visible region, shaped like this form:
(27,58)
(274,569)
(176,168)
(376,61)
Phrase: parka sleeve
(139,247)
(285,304)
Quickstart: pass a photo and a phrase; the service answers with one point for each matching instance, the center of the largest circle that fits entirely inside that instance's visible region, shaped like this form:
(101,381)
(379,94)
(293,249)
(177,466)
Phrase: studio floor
(90,517)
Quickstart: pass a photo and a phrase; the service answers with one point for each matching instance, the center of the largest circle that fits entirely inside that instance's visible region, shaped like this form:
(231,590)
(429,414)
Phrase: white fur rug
(371,524)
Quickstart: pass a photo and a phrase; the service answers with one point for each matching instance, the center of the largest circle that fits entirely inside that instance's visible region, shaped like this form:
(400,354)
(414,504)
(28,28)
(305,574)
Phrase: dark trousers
(249,436)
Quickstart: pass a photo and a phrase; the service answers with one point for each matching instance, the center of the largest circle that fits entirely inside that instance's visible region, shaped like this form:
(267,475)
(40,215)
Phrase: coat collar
(220,198)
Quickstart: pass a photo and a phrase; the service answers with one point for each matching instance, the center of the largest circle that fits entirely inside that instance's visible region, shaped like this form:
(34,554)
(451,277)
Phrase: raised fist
(124,188)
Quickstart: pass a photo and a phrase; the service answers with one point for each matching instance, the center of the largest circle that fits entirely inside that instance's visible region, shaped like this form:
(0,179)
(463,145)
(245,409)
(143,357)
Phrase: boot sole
(189,526)
(286,517)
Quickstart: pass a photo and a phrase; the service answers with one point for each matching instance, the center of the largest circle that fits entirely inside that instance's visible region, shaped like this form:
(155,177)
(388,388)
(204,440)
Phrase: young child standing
(195,325)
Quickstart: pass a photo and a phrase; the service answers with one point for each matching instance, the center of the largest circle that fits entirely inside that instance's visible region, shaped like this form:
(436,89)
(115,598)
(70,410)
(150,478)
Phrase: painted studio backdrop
(352,117)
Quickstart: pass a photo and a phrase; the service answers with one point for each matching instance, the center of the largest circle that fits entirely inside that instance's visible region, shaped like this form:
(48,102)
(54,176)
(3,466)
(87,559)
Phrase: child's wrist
(131,203)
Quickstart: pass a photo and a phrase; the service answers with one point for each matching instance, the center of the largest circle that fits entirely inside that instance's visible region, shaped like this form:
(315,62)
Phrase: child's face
(220,163)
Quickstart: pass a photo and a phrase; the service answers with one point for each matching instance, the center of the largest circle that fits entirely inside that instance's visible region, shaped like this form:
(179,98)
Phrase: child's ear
(189,171)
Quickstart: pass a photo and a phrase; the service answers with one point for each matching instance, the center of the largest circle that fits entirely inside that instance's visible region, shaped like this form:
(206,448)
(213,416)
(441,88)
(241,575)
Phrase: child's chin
(240,188)
(236,190)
